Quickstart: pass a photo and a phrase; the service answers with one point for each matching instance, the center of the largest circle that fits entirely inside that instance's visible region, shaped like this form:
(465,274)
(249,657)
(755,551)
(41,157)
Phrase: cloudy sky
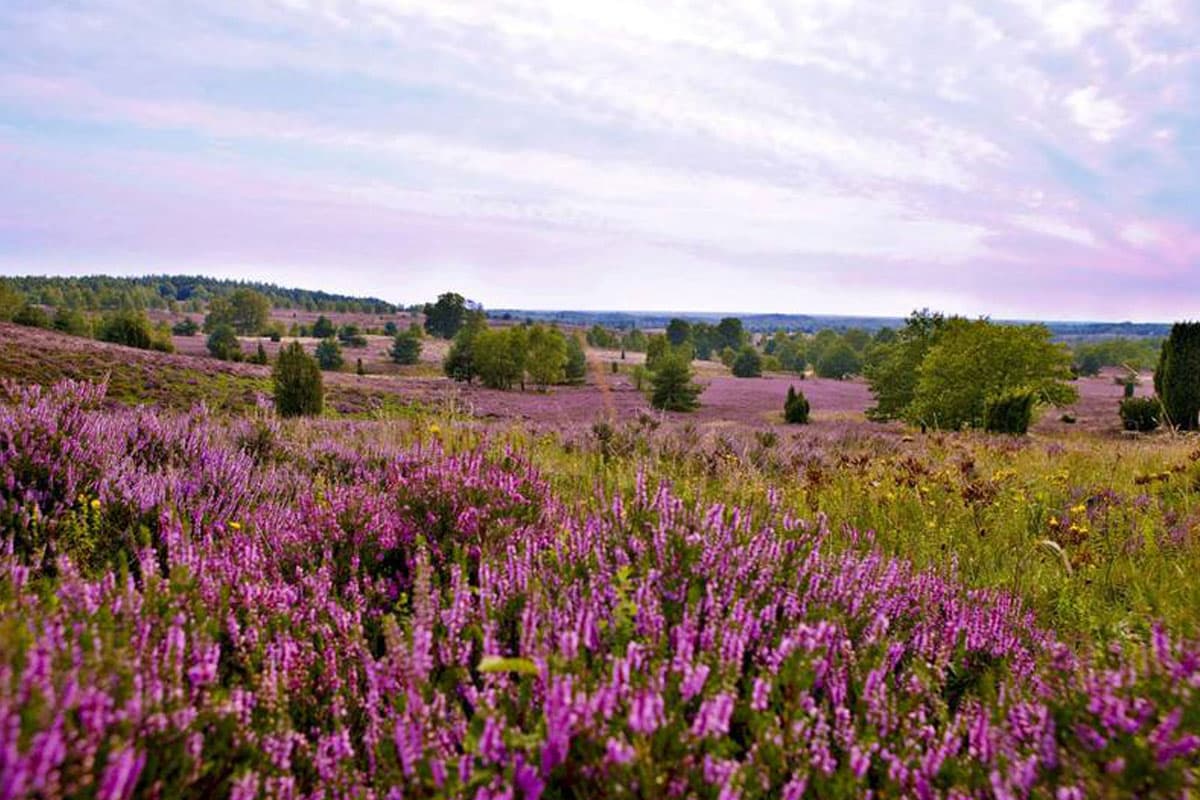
(1009,157)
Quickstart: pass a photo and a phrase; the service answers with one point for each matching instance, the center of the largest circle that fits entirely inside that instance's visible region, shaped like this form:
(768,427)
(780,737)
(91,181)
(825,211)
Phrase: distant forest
(175,293)
(811,323)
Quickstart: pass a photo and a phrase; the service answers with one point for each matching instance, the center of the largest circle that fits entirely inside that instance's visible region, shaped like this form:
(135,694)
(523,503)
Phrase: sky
(1016,158)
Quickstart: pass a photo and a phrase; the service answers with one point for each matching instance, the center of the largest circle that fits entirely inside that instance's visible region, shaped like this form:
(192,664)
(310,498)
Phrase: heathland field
(438,589)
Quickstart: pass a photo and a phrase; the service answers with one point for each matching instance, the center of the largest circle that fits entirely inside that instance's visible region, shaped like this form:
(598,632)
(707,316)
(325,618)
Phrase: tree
(186,327)
(10,301)
(748,363)
(678,332)
(892,368)
(729,333)
(130,328)
(329,354)
(298,385)
(576,366)
(790,353)
(795,407)
(671,386)
(244,310)
(406,348)
(547,356)
(657,348)
(389,328)
(260,356)
(634,341)
(839,362)
(32,316)
(323,328)
(460,362)
(1179,386)
(351,336)
(223,343)
(823,341)
(445,317)
(975,363)
(72,321)
(496,363)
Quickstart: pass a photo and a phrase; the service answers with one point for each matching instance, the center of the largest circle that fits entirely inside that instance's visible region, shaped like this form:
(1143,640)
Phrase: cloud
(1100,116)
(878,151)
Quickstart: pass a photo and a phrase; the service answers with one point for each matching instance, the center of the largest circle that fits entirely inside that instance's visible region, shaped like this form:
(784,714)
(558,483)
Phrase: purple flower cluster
(197,607)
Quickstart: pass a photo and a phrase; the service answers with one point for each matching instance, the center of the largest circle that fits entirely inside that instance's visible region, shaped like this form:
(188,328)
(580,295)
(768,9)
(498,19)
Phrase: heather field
(448,591)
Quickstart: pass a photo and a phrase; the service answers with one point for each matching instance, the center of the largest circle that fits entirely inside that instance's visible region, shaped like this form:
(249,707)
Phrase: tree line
(176,293)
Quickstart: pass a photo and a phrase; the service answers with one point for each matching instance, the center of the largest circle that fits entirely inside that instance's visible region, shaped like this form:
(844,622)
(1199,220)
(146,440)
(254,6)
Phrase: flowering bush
(330,615)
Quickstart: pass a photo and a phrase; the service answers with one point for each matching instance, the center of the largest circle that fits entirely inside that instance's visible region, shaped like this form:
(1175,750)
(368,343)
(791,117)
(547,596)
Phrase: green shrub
(298,385)
(1179,385)
(329,354)
(1011,412)
(576,366)
(223,343)
(130,328)
(186,327)
(259,356)
(748,363)
(73,322)
(406,348)
(671,385)
(1141,413)
(32,317)
(795,407)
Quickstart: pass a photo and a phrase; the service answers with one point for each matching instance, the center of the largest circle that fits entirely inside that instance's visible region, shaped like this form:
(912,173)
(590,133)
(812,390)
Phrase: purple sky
(1027,158)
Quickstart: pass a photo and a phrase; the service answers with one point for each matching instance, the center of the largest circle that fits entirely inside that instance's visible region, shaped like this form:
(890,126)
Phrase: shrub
(329,354)
(390,329)
(129,328)
(185,327)
(72,321)
(351,336)
(298,385)
(748,363)
(32,316)
(795,407)
(259,356)
(323,328)
(1141,413)
(1011,412)
(358,367)
(839,362)
(223,343)
(244,310)
(576,366)
(1179,386)
(671,385)
(406,348)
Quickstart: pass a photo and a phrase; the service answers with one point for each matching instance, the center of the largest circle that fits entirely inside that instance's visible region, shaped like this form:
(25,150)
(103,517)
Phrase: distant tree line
(177,293)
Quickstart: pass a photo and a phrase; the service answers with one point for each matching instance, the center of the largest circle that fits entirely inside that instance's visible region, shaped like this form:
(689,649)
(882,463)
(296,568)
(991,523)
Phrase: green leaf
(522,666)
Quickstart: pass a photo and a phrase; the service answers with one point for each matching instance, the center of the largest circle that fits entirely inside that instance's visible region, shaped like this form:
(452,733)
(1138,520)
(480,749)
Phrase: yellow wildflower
(236,526)
(96,504)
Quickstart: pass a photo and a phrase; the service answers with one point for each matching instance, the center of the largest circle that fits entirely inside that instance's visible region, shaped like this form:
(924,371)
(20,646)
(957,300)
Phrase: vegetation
(546,360)
(1010,412)
(838,361)
(575,370)
(1090,357)
(185,327)
(133,329)
(712,608)
(323,328)
(671,386)
(406,347)
(1142,414)
(299,391)
(172,292)
(748,364)
(446,317)
(329,354)
(1178,378)
(795,407)
(224,344)
(244,310)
